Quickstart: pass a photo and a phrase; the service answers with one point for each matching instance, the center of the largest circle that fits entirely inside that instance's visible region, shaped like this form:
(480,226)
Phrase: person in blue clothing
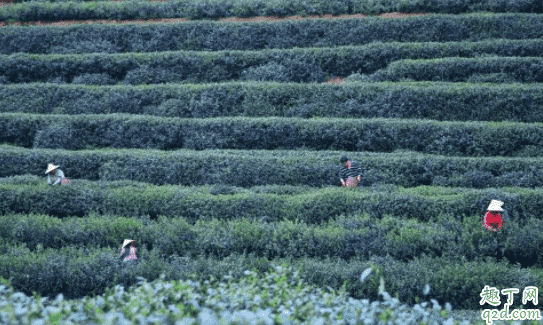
(349,174)
(56,175)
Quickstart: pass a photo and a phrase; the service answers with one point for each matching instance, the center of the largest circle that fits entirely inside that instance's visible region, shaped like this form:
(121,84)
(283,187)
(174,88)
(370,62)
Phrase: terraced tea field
(211,132)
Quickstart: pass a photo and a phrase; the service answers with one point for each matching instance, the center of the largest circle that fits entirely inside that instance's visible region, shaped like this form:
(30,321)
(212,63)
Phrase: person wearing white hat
(57,175)
(493,219)
(128,255)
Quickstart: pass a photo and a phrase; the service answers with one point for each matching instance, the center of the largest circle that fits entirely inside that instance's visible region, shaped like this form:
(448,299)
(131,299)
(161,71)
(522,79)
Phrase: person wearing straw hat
(57,175)
(493,219)
(349,174)
(131,254)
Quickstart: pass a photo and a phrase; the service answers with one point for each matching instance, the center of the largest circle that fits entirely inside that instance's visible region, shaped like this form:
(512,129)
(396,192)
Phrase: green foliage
(359,77)
(172,107)
(279,35)
(66,9)
(492,102)
(222,189)
(141,75)
(101,79)
(280,189)
(408,236)
(306,65)
(58,80)
(77,132)
(268,72)
(22,179)
(6,282)
(491,77)
(244,234)
(455,69)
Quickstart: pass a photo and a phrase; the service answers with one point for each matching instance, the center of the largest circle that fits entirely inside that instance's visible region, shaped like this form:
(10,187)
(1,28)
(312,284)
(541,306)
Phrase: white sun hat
(51,167)
(127,241)
(495,205)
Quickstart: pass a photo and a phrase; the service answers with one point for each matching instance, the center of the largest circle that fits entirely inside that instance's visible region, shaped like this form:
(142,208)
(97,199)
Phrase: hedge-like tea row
(282,65)
(83,197)
(220,36)
(78,272)
(78,132)
(224,8)
(344,237)
(285,170)
(527,69)
(471,102)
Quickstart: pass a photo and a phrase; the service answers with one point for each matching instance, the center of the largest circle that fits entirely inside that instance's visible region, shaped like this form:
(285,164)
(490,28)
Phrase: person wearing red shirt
(493,220)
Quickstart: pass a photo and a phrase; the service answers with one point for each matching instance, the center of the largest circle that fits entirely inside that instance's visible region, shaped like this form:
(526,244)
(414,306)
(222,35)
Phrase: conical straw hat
(51,167)
(495,205)
(127,241)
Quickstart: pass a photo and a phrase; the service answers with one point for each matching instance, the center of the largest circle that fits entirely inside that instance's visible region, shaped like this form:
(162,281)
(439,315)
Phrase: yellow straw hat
(51,167)
(127,241)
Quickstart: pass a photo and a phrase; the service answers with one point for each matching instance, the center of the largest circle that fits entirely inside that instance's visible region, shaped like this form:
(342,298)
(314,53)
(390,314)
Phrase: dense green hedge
(131,199)
(225,8)
(78,272)
(343,237)
(481,102)
(76,132)
(220,36)
(286,169)
(294,65)
(527,69)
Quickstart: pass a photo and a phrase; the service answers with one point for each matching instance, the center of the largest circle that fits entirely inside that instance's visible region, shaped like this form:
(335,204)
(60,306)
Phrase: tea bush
(491,77)
(101,79)
(268,72)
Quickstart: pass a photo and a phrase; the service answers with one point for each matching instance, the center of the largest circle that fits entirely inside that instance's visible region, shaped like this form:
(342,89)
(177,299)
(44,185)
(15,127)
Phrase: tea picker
(493,220)
(127,255)
(349,174)
(56,175)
